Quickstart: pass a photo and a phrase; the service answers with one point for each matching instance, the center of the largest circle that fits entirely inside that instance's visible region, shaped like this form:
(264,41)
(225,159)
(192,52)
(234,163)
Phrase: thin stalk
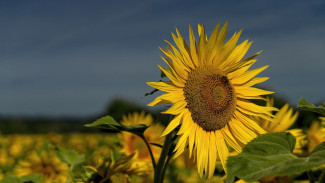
(165,167)
(150,152)
(162,159)
(322,177)
(310,176)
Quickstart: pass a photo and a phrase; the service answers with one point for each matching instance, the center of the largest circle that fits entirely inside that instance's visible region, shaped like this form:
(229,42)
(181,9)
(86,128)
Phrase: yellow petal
(228,48)
(211,45)
(241,63)
(158,101)
(212,154)
(252,125)
(181,148)
(177,69)
(170,97)
(223,151)
(186,122)
(173,124)
(185,50)
(193,47)
(166,86)
(247,91)
(176,108)
(240,70)
(171,76)
(255,108)
(247,75)
(201,47)
(256,81)
(230,139)
(191,139)
(235,56)
(240,132)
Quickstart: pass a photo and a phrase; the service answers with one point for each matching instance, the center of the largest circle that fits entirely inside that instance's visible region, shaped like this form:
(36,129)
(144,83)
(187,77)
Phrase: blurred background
(64,64)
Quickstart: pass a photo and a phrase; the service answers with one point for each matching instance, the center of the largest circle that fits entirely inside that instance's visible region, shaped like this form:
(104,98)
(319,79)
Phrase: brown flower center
(210,97)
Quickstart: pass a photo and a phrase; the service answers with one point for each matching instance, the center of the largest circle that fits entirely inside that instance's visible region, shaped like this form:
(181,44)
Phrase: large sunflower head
(210,87)
(132,143)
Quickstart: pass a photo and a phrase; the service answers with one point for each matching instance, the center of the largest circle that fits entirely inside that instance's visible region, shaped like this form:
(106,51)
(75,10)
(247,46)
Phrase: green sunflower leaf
(31,178)
(35,178)
(70,157)
(109,123)
(10,179)
(305,105)
(271,154)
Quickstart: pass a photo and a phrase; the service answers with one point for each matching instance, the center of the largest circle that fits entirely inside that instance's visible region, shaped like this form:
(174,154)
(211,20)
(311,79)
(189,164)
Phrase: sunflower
(210,88)
(118,170)
(316,133)
(132,143)
(282,121)
(46,163)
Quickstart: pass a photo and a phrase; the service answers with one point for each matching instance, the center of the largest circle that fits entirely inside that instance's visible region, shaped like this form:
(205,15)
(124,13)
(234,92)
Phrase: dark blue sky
(71,58)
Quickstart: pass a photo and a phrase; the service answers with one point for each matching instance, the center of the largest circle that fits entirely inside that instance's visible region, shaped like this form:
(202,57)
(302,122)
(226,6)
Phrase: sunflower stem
(322,177)
(165,167)
(158,178)
(150,151)
(311,176)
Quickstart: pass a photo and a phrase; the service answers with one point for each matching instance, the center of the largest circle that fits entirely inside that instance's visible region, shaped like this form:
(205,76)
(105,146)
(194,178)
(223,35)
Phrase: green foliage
(109,123)
(305,105)
(70,157)
(75,163)
(271,154)
(31,178)
(46,146)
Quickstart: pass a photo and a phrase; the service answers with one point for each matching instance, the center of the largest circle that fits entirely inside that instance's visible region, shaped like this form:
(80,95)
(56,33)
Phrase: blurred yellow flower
(282,121)
(119,170)
(46,163)
(5,158)
(132,143)
(316,134)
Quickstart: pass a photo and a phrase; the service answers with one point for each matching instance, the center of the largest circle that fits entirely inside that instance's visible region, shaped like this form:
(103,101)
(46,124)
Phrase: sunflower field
(221,128)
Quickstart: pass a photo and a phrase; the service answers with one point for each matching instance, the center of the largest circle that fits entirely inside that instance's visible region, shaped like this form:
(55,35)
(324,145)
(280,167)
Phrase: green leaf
(35,178)
(70,157)
(271,154)
(10,179)
(109,123)
(305,105)
(46,146)
(31,178)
